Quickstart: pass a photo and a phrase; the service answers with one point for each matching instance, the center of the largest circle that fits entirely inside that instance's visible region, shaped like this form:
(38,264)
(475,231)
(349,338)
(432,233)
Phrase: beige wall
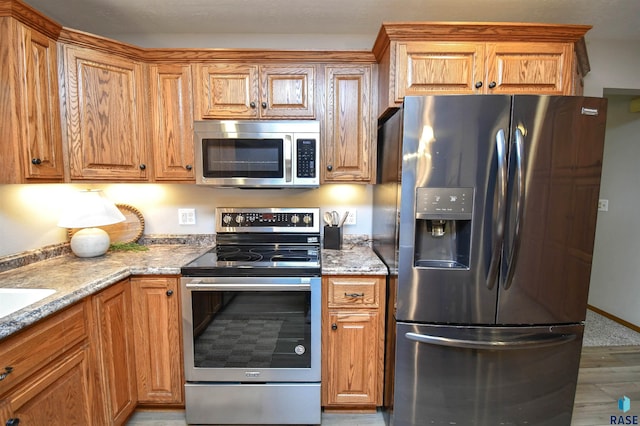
(29,213)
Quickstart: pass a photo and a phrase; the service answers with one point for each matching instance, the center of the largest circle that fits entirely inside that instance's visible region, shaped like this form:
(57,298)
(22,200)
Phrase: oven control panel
(248,219)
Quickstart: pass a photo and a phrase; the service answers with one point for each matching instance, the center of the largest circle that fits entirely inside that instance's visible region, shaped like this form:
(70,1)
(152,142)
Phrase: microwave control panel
(306,158)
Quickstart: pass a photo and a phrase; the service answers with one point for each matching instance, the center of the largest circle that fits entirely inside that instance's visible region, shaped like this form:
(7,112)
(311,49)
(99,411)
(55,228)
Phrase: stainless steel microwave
(257,154)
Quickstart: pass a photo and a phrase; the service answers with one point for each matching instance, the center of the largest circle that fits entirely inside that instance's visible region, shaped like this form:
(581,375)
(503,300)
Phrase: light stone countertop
(75,278)
(352,260)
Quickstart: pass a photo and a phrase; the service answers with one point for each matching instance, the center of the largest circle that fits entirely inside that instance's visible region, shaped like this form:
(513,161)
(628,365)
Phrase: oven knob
(239,219)
(307,219)
(295,219)
(226,219)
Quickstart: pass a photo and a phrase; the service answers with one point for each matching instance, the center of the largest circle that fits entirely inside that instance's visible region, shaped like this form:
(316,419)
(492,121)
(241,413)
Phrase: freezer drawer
(485,375)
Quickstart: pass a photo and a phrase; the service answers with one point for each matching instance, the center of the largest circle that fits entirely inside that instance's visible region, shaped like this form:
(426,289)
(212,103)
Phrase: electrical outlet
(186,216)
(351,219)
(603,205)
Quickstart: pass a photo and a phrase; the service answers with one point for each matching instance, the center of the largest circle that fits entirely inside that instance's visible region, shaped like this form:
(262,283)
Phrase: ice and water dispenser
(443,227)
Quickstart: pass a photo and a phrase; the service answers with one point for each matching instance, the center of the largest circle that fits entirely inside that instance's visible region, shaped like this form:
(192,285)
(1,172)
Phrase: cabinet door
(535,68)
(348,151)
(226,91)
(438,68)
(287,92)
(58,395)
(115,359)
(350,368)
(42,133)
(172,122)
(158,341)
(105,116)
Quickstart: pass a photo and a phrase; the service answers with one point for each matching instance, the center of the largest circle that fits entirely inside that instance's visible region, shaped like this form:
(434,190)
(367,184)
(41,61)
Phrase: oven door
(260,159)
(251,329)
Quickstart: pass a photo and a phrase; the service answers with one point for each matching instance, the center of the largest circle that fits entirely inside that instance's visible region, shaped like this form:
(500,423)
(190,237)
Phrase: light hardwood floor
(606,374)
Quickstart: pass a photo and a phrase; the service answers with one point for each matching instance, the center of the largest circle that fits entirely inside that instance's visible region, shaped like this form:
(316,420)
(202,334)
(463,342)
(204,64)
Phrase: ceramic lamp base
(90,242)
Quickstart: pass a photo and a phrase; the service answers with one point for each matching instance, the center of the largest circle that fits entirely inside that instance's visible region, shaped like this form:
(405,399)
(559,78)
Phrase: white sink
(14,299)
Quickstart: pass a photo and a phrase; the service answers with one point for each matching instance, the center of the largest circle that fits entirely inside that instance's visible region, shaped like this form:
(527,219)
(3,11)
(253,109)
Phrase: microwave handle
(288,153)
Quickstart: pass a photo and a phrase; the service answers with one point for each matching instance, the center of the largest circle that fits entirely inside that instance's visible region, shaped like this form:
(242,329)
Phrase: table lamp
(88,209)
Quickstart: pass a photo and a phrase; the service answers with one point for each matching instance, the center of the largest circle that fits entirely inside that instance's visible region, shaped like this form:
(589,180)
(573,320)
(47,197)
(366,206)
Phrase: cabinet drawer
(32,349)
(360,292)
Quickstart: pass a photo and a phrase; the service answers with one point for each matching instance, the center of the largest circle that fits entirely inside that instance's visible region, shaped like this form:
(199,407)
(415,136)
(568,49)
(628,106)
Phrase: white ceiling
(339,24)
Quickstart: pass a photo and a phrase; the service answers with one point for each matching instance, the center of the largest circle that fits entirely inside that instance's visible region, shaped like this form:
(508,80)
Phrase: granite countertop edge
(76,278)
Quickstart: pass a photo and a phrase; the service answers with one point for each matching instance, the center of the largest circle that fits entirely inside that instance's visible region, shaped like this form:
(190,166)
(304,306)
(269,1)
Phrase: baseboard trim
(614,318)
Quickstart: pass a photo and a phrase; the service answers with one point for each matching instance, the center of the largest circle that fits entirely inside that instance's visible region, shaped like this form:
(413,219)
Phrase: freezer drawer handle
(540,340)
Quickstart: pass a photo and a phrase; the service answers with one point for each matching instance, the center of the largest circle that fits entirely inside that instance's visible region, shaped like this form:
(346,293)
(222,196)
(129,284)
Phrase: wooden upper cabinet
(478,58)
(429,68)
(539,68)
(30,114)
(348,146)
(230,91)
(171,107)
(287,91)
(105,100)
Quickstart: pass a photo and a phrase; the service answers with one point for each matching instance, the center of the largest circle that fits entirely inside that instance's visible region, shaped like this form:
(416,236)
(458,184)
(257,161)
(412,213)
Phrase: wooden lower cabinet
(113,353)
(50,379)
(59,395)
(158,340)
(353,343)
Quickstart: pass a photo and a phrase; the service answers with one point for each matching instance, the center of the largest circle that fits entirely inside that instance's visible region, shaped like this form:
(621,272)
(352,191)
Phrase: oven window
(248,329)
(243,158)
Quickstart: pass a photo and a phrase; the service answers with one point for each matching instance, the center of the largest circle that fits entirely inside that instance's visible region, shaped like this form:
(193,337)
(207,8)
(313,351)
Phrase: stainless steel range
(251,320)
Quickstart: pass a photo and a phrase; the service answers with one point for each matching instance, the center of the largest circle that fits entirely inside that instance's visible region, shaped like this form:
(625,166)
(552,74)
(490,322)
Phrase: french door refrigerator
(490,203)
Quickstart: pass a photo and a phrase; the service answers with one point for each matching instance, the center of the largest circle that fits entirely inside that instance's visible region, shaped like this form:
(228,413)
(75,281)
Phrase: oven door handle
(248,287)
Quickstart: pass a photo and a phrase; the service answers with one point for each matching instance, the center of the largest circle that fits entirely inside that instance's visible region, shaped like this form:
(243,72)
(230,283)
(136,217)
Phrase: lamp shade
(90,208)
(86,210)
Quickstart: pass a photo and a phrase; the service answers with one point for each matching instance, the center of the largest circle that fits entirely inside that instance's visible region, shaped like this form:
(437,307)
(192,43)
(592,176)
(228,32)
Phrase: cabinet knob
(143,166)
(329,167)
(7,371)
(36,161)
(252,104)
(478,84)
(13,422)
(492,85)
(354,295)
(169,293)
(188,167)
(334,326)
(264,105)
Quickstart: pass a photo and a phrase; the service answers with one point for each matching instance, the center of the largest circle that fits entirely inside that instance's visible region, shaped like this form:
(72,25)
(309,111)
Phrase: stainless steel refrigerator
(486,209)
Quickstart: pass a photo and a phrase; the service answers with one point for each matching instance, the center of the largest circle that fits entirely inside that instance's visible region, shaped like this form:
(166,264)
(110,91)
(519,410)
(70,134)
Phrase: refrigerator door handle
(500,213)
(515,247)
(538,340)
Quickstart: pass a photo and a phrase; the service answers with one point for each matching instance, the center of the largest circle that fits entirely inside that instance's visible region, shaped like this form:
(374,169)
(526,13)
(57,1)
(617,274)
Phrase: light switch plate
(186,216)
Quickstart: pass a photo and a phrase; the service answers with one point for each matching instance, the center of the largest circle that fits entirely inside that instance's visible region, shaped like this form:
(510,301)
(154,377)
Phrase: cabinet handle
(7,371)
(264,105)
(334,326)
(143,166)
(492,85)
(169,293)
(252,104)
(36,161)
(188,167)
(329,167)
(354,294)
(13,422)
(478,84)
